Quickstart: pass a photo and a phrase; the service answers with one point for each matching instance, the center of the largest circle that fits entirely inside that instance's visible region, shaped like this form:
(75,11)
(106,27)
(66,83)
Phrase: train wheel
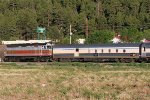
(122,60)
(117,60)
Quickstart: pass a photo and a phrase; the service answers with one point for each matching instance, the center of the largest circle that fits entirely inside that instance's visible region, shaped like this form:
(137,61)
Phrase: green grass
(67,81)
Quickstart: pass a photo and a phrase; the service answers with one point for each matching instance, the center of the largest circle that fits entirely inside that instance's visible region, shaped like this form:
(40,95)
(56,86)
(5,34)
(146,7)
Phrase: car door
(143,51)
(76,53)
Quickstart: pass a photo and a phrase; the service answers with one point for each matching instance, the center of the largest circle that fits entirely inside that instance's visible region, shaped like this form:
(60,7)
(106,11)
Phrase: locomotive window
(77,49)
(109,50)
(48,47)
(116,50)
(124,51)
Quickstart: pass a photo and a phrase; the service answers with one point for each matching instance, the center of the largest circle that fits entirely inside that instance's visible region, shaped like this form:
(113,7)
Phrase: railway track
(26,63)
(45,63)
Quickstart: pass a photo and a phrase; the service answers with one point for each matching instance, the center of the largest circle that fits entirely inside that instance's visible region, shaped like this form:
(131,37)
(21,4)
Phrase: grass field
(74,81)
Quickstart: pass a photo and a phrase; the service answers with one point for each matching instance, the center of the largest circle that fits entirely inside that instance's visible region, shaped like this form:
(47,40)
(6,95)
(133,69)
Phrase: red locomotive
(33,50)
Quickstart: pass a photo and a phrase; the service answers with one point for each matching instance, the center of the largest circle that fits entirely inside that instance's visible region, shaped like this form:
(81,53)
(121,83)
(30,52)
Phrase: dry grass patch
(74,81)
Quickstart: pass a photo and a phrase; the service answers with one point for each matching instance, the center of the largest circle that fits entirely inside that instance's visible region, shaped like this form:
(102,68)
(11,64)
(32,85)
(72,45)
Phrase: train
(32,50)
(48,52)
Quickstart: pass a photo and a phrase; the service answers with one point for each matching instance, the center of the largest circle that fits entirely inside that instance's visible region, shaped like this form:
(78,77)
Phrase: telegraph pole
(70,35)
(87,28)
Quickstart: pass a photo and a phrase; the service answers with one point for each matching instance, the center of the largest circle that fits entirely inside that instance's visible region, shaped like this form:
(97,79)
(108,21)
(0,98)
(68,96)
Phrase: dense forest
(95,20)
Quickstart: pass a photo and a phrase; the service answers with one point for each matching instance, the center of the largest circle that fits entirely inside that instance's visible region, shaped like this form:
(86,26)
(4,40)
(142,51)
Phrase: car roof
(97,45)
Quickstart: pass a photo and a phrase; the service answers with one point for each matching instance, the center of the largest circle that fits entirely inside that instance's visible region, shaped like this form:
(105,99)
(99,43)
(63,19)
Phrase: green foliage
(19,18)
(66,40)
(147,34)
(100,37)
(54,33)
(27,22)
(133,35)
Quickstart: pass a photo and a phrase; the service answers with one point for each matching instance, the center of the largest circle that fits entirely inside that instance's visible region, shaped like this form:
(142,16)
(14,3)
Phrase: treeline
(20,18)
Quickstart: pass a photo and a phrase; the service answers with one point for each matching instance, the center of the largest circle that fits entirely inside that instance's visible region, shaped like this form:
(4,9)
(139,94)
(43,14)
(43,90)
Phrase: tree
(54,33)
(131,35)
(8,27)
(27,23)
(103,36)
(85,16)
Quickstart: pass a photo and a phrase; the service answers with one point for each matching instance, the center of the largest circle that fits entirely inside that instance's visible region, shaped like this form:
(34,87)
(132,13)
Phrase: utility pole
(87,28)
(70,35)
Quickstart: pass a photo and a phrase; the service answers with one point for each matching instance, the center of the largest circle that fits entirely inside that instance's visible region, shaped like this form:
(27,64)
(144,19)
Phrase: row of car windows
(109,50)
(102,50)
